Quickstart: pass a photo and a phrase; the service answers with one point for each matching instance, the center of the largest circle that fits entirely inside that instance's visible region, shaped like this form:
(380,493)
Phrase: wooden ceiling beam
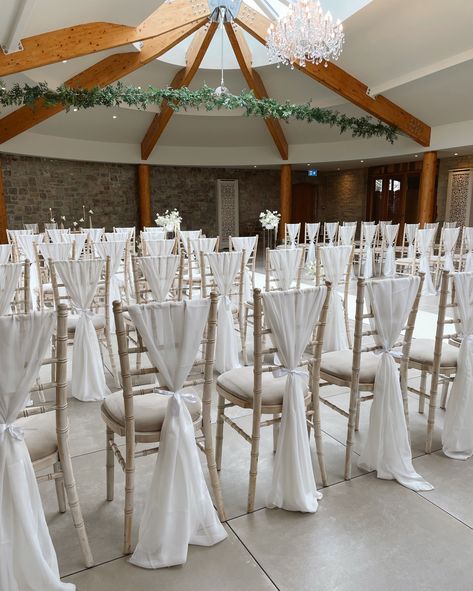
(253,79)
(194,57)
(344,84)
(79,40)
(105,72)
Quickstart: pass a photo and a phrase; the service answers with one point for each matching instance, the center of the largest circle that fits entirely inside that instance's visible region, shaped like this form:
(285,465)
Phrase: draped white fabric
(203,244)
(80,278)
(291,316)
(247,244)
(56,251)
(154,233)
(424,246)
(159,272)
(50,226)
(58,235)
(186,235)
(9,277)
(347,234)
(95,234)
(285,264)
(411,231)
(331,231)
(79,242)
(33,227)
(293,233)
(369,232)
(387,449)
(159,248)
(389,262)
(335,262)
(115,250)
(450,237)
(312,233)
(178,510)
(5,253)
(128,232)
(225,267)
(457,436)
(26,244)
(468,234)
(28,559)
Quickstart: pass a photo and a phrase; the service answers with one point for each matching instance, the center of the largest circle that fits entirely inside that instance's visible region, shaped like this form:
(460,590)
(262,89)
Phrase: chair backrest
(466,249)
(153,233)
(33,227)
(15,288)
(346,233)
(283,266)
(5,253)
(292,234)
(158,247)
(210,283)
(250,245)
(57,234)
(330,232)
(185,236)
(54,251)
(150,269)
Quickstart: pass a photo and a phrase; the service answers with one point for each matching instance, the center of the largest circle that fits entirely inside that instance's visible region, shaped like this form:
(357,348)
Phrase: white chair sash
(79,243)
(94,234)
(203,245)
(390,237)
(120,232)
(156,233)
(425,238)
(411,231)
(116,251)
(50,226)
(293,232)
(450,237)
(369,232)
(331,230)
(28,559)
(58,234)
(33,227)
(285,264)
(457,436)
(335,262)
(225,267)
(80,278)
(5,253)
(247,244)
(159,272)
(56,251)
(159,248)
(312,233)
(291,316)
(347,234)
(26,244)
(178,510)
(186,235)
(387,449)
(9,277)
(469,247)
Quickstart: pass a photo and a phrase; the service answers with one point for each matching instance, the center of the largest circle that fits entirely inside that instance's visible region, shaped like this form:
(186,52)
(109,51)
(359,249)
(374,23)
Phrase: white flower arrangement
(269,219)
(171,220)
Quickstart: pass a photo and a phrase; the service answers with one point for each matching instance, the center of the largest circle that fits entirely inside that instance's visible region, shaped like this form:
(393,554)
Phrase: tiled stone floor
(368,534)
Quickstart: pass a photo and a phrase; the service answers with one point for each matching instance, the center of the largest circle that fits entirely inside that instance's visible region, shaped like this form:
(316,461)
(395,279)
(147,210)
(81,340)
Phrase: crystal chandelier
(305,34)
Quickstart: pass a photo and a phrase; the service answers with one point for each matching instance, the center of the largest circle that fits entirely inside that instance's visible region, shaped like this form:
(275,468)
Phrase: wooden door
(304,205)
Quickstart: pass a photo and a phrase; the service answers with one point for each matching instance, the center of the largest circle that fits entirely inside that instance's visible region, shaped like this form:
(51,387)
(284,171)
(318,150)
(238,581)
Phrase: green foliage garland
(183,98)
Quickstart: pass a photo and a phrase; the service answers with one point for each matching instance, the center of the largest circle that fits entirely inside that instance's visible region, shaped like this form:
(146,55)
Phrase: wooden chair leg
(244,333)
(255,439)
(110,435)
(60,492)
(111,356)
(431,417)
(219,436)
(318,438)
(214,478)
(129,502)
(276,433)
(354,396)
(422,388)
(357,418)
(443,400)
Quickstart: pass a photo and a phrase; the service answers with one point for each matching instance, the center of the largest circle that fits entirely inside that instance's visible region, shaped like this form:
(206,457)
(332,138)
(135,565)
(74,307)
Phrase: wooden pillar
(144,196)
(285,198)
(426,208)
(3,212)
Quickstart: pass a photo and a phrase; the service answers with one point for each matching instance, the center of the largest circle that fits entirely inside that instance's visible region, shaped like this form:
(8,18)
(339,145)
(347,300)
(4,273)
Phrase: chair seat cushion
(40,434)
(98,320)
(422,351)
(339,364)
(149,410)
(239,383)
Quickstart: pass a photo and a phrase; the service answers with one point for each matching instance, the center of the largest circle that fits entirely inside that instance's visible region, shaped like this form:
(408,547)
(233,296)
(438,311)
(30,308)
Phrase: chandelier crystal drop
(305,34)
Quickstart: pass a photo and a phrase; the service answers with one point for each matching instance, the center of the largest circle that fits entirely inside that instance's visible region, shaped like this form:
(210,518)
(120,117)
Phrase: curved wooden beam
(105,72)
(253,79)
(344,84)
(71,42)
(195,55)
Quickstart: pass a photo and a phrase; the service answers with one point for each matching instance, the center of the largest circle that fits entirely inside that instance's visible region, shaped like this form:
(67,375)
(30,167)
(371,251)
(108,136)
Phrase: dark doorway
(304,205)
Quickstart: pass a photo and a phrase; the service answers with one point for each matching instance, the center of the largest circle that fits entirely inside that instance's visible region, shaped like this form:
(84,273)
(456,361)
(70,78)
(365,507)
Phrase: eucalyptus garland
(183,98)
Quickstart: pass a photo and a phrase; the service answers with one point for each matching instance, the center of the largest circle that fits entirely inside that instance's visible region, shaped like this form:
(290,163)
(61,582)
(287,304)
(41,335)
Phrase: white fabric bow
(280,372)
(12,430)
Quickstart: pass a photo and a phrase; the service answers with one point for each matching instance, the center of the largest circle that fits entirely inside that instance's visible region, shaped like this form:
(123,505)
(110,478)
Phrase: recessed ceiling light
(362,161)
(456,154)
(114,116)
(64,61)
(254,166)
(75,109)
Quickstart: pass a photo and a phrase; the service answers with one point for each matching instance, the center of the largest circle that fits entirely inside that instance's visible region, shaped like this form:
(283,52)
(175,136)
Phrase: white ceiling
(418,54)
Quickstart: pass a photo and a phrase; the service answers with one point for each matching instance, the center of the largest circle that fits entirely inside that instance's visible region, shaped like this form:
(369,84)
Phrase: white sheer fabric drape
(33,227)
(291,316)
(5,253)
(293,233)
(178,510)
(159,272)
(425,238)
(26,244)
(94,234)
(80,279)
(335,262)
(331,231)
(58,235)
(79,243)
(387,449)
(204,245)
(450,237)
(369,232)
(411,232)
(285,265)
(154,233)
(225,267)
(186,236)
(247,244)
(9,277)
(27,556)
(457,436)
(56,251)
(389,262)
(312,231)
(116,251)
(468,233)
(347,234)
(159,248)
